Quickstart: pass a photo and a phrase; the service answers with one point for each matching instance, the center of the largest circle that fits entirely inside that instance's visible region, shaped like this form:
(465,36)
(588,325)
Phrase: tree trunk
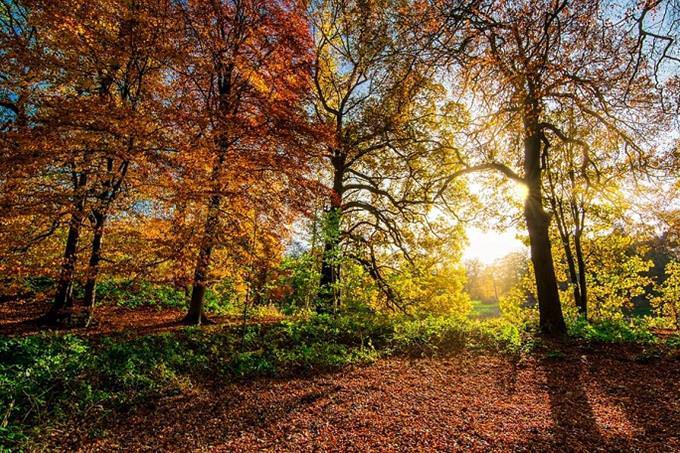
(65,282)
(111,188)
(581,263)
(538,223)
(195,315)
(95,259)
(330,268)
(573,274)
(563,229)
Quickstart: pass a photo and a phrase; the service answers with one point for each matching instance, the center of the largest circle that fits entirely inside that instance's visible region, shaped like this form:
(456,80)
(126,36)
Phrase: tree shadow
(648,394)
(575,426)
(645,394)
(219,414)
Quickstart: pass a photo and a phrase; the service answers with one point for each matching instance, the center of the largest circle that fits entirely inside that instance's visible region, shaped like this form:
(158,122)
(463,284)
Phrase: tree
(572,186)
(378,97)
(138,59)
(49,92)
(528,62)
(668,302)
(617,274)
(433,281)
(240,80)
(93,120)
(489,283)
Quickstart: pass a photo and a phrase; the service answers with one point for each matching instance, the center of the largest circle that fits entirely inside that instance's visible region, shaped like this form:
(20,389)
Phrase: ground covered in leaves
(139,381)
(20,319)
(575,398)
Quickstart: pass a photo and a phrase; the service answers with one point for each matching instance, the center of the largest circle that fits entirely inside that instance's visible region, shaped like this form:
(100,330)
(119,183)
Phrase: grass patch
(485,310)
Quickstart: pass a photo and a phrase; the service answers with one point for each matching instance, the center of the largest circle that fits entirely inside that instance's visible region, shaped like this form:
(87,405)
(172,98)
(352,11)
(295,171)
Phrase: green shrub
(615,331)
(350,330)
(252,363)
(442,335)
(47,378)
(134,294)
(430,335)
(39,375)
(673,341)
(499,335)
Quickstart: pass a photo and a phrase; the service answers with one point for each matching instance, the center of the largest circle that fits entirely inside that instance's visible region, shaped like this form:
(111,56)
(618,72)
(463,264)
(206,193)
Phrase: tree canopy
(345,144)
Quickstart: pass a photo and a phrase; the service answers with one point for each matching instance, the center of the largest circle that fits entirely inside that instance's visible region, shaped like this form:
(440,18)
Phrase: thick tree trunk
(65,282)
(330,268)
(195,315)
(64,285)
(93,266)
(538,223)
(550,310)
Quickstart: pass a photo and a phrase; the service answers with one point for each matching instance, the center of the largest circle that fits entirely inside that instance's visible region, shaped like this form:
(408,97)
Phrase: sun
(489,246)
(520,191)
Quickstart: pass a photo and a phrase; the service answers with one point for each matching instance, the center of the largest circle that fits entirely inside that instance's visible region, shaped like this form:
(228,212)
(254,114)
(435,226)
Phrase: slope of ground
(581,400)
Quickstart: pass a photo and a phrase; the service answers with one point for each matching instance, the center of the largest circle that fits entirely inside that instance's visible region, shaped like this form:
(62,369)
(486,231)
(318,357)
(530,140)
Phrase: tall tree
(51,91)
(376,93)
(136,70)
(241,80)
(97,71)
(528,60)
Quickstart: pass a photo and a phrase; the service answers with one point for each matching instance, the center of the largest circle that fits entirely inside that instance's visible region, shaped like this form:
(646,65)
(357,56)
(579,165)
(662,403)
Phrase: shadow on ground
(581,402)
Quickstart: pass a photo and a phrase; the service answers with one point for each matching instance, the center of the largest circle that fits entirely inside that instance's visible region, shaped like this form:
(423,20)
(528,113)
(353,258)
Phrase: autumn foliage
(327,154)
(477,198)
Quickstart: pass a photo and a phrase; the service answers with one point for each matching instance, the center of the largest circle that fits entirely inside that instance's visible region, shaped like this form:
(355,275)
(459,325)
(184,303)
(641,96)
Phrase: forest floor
(572,396)
(582,398)
(19,319)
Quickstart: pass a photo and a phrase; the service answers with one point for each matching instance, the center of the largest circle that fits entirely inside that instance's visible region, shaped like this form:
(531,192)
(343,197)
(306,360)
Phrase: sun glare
(520,191)
(488,246)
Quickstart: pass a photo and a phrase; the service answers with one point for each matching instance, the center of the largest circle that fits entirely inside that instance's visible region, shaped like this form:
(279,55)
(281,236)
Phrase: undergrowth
(636,330)
(47,379)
